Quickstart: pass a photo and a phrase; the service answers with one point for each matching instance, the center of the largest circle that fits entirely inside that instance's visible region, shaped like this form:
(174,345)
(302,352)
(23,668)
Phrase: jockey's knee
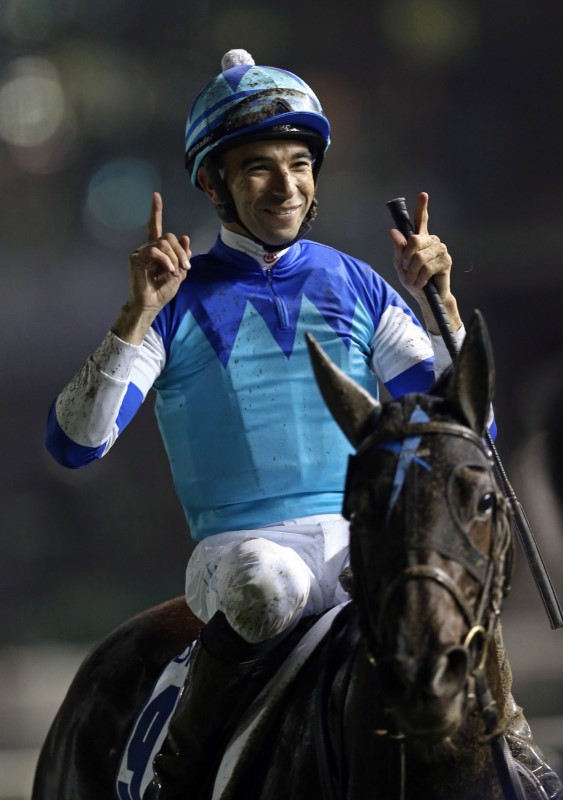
(264,588)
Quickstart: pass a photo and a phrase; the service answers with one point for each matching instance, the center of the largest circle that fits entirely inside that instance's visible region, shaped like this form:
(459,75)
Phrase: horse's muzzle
(426,698)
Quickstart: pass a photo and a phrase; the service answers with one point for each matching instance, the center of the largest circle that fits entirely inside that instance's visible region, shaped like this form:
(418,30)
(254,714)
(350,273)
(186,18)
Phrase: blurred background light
(33,22)
(50,156)
(118,198)
(431,30)
(24,23)
(111,91)
(32,103)
(237,26)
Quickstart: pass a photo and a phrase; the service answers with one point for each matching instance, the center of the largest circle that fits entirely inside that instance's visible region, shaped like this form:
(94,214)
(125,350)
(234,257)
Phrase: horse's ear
(471,385)
(350,404)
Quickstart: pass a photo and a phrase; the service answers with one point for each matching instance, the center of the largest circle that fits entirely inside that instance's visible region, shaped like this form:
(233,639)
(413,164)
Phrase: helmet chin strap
(227,211)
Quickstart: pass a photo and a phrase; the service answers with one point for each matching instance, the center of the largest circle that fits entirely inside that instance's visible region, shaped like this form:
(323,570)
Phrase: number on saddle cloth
(151,726)
(149,731)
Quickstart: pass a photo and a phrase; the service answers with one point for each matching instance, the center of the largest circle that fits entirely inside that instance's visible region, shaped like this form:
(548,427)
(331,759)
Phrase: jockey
(257,461)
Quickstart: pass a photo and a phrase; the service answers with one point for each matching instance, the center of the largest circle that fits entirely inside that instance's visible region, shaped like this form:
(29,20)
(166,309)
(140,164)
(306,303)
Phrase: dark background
(459,98)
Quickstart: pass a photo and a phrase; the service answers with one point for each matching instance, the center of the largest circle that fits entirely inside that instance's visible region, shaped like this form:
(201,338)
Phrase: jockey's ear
(350,405)
(471,387)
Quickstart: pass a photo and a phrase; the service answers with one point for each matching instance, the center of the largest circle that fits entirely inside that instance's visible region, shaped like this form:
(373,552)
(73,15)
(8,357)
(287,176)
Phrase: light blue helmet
(246,102)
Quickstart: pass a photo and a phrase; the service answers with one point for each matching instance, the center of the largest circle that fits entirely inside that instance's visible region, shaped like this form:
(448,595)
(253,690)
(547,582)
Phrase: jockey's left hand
(421,257)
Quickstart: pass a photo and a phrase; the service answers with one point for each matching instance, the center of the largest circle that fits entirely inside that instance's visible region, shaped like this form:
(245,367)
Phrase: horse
(401,697)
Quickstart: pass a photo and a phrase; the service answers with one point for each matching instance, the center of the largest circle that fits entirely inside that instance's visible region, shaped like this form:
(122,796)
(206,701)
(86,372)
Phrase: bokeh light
(431,31)
(118,198)
(32,22)
(237,26)
(36,121)
(23,22)
(111,92)
(32,103)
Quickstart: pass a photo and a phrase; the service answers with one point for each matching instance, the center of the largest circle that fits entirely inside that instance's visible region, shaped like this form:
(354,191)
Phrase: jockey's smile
(272,186)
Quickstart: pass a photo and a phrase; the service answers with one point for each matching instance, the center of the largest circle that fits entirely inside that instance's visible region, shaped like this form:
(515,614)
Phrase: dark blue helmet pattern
(247,102)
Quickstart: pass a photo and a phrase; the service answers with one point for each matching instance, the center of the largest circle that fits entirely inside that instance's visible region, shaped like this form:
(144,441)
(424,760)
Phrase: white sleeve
(398,344)
(442,358)
(88,407)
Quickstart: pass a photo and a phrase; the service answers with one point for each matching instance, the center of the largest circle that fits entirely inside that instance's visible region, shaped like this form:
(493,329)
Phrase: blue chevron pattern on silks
(407,455)
(225,285)
(236,354)
(280,450)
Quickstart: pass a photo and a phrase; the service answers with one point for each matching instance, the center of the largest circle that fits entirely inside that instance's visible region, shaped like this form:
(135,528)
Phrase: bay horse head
(430,542)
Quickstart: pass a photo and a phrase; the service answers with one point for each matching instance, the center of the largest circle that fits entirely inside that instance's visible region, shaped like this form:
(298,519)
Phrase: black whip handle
(398,209)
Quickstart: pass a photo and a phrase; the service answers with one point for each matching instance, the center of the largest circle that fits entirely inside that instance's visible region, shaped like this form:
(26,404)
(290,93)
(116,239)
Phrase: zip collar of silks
(251,248)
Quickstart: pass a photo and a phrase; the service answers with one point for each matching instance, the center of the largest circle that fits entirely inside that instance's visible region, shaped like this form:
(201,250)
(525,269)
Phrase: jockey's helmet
(246,103)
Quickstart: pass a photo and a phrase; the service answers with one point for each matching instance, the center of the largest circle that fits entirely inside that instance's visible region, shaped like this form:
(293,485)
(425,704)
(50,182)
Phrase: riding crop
(526,537)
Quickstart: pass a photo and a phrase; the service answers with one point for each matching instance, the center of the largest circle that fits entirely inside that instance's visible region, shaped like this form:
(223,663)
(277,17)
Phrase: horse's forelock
(398,413)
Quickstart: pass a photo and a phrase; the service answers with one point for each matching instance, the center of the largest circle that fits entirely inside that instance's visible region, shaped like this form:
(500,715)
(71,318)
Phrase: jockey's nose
(282,183)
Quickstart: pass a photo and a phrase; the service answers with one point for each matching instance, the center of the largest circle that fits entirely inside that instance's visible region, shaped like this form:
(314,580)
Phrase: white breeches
(263,580)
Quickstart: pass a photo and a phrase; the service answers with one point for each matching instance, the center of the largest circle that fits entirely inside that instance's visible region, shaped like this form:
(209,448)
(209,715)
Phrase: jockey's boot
(519,735)
(224,675)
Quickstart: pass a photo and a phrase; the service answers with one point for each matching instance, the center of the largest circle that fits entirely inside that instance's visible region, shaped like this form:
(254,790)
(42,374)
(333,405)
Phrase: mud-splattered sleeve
(442,361)
(442,358)
(102,398)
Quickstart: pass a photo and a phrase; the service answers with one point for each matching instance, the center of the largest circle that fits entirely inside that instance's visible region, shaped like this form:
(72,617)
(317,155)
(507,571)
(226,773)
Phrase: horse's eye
(486,503)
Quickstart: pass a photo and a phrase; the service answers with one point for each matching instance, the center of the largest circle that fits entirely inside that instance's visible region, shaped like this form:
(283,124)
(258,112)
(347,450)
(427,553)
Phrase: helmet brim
(301,126)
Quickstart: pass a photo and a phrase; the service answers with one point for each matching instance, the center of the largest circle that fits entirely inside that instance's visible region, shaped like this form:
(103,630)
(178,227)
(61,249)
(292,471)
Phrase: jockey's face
(272,186)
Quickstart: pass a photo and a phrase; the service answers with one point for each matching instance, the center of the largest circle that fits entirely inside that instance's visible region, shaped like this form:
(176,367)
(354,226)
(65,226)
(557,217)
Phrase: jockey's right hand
(156,270)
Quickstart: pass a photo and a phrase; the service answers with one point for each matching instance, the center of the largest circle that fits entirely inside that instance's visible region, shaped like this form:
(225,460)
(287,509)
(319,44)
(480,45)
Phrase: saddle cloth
(148,734)
(149,731)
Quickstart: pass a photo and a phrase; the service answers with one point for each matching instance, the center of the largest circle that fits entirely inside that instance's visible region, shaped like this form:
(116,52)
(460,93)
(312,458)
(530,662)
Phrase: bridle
(491,570)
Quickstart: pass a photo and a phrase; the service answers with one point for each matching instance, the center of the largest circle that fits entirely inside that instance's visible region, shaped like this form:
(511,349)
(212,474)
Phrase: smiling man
(257,460)
(274,187)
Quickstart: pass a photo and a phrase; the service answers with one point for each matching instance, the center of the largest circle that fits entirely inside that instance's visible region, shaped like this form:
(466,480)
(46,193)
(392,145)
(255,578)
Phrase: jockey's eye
(486,503)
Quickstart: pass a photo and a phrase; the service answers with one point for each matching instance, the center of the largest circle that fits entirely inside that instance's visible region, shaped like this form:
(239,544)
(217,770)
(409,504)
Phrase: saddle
(150,728)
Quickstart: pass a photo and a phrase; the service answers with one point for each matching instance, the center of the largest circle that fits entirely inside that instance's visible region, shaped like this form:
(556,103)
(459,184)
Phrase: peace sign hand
(422,257)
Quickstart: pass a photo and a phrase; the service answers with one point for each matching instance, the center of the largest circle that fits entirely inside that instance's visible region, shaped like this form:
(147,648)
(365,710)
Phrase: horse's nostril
(450,672)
